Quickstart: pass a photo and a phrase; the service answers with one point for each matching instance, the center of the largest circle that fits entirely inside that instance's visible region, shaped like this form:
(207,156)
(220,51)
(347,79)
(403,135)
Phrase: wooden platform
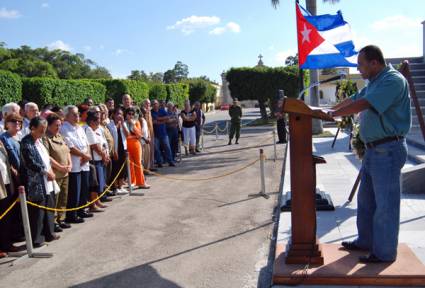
(342,268)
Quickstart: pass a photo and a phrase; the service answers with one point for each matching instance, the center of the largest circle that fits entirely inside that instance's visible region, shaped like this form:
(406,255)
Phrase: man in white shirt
(31,111)
(75,138)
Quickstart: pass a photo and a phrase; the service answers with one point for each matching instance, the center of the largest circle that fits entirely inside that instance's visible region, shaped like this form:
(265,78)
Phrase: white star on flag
(306,34)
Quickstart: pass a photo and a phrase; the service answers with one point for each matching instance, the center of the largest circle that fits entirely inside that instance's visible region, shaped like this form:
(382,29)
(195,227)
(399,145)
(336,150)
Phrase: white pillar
(423,40)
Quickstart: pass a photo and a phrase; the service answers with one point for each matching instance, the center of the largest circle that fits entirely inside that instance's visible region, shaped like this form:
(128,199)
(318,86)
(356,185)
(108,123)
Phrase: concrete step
(417,72)
(421,102)
(417,66)
(416,146)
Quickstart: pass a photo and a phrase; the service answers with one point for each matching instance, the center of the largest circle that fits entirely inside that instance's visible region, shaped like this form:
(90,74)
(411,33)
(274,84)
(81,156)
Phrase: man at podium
(385,119)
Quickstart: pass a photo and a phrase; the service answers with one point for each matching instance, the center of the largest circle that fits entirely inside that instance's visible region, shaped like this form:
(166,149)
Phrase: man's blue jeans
(173,137)
(164,143)
(378,211)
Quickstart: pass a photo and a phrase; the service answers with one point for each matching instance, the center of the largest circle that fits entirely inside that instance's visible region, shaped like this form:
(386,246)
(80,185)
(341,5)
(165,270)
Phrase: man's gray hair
(9,107)
(68,109)
(30,105)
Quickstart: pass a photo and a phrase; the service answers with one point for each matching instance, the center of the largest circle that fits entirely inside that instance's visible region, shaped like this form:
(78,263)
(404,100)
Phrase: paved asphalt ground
(179,234)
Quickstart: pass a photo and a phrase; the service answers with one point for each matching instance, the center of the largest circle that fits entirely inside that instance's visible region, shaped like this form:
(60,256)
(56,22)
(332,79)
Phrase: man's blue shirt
(389,114)
(159,129)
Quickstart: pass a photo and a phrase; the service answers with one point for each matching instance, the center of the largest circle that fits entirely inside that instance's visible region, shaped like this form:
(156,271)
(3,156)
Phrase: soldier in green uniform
(235,112)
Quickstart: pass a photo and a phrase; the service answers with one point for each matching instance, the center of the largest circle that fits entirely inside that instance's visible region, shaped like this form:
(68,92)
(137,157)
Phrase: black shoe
(85,214)
(153,169)
(38,245)
(198,150)
(75,220)
(351,246)
(230,143)
(172,164)
(371,258)
(57,228)
(64,225)
(52,238)
(159,165)
(236,142)
(105,199)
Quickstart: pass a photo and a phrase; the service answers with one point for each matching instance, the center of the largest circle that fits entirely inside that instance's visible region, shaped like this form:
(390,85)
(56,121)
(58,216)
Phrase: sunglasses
(15,121)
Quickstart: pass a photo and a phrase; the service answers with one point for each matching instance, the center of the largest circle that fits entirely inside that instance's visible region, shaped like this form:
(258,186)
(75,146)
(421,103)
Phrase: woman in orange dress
(134,148)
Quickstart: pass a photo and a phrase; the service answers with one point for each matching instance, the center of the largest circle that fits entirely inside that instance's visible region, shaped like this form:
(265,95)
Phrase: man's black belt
(383,140)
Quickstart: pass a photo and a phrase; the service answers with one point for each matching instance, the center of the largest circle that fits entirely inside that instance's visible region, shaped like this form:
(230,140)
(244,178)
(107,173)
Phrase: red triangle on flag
(308,37)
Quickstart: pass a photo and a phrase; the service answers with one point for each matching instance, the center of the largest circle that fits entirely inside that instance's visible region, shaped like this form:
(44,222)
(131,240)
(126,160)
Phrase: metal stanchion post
(130,187)
(27,228)
(274,144)
(227,127)
(263,180)
(216,131)
(202,138)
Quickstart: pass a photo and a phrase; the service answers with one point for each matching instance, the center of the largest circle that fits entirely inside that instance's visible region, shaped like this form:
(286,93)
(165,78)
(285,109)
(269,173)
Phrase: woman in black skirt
(119,133)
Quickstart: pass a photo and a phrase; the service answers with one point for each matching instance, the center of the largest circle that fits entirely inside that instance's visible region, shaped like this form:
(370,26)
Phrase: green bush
(138,90)
(177,93)
(62,92)
(262,84)
(158,92)
(10,87)
(201,90)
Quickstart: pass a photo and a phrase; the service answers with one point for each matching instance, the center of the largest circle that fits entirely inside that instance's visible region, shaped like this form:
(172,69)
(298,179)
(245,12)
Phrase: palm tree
(314,74)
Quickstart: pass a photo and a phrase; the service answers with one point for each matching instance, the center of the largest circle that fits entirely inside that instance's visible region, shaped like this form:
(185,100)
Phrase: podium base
(323,202)
(343,268)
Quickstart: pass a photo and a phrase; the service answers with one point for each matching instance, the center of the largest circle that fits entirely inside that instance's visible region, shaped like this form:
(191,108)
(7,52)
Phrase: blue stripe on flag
(323,61)
(346,48)
(326,21)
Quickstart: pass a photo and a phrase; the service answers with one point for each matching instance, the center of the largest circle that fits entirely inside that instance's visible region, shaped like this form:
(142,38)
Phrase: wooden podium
(301,260)
(303,247)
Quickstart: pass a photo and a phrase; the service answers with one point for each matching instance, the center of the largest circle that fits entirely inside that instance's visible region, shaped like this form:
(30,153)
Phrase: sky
(209,36)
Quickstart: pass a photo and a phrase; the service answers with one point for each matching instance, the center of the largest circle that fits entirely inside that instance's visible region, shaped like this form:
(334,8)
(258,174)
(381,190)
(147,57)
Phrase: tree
(29,62)
(262,84)
(177,74)
(292,60)
(181,71)
(156,77)
(170,76)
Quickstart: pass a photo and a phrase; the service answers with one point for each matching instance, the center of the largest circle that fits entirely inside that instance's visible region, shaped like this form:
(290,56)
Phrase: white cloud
(190,24)
(231,27)
(59,44)
(218,31)
(281,56)
(396,22)
(45,5)
(121,51)
(9,14)
(87,48)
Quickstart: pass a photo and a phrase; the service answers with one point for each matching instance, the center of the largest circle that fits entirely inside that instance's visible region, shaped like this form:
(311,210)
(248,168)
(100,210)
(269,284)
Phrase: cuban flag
(324,41)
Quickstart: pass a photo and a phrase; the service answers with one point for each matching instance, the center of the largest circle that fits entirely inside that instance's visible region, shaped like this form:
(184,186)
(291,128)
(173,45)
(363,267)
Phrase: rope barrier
(8,209)
(83,206)
(199,179)
(209,132)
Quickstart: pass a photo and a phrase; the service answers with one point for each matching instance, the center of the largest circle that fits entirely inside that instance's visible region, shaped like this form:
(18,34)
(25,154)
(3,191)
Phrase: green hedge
(10,87)
(201,90)
(62,92)
(158,92)
(138,90)
(177,93)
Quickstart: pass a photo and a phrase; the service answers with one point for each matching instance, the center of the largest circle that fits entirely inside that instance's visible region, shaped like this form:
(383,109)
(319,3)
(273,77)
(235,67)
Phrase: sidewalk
(337,177)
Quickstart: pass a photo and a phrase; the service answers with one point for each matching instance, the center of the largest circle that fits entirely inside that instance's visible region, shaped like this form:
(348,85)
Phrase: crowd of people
(65,157)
